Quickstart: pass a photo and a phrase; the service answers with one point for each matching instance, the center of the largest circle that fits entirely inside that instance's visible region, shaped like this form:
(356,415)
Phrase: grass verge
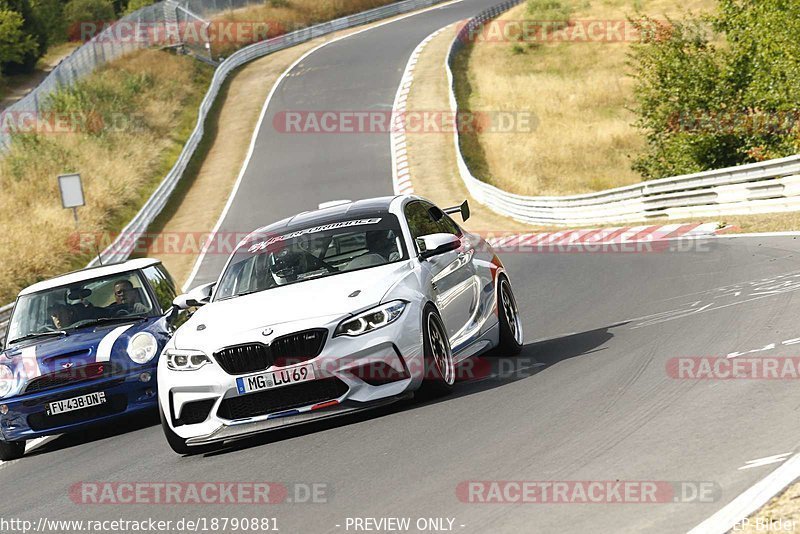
(122,129)
(579,92)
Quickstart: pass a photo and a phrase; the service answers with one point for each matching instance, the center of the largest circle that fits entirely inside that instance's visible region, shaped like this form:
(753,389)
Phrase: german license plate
(76,403)
(275,379)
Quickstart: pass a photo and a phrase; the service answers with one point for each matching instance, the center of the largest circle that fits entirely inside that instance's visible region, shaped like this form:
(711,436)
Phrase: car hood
(287,309)
(82,347)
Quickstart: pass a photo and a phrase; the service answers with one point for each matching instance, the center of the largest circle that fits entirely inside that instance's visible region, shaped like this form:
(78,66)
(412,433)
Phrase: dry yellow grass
(431,156)
(580,93)
(119,168)
(432,162)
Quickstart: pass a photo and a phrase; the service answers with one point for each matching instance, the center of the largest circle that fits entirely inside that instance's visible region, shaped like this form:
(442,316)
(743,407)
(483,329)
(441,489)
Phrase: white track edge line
(751,499)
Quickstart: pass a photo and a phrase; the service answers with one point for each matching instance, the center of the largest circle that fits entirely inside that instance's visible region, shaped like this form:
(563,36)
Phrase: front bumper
(125,393)
(339,375)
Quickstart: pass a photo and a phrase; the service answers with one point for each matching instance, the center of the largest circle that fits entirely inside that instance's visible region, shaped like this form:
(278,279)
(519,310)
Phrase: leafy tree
(30,31)
(15,44)
(50,14)
(95,11)
(705,102)
(133,5)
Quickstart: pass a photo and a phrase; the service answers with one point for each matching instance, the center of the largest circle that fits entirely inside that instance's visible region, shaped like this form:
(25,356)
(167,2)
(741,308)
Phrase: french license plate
(76,403)
(275,379)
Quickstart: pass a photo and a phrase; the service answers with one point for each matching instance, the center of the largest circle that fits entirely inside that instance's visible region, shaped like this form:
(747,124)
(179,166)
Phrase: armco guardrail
(766,187)
(122,247)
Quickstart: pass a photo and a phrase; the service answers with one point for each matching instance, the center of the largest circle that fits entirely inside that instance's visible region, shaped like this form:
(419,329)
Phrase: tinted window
(421,220)
(162,284)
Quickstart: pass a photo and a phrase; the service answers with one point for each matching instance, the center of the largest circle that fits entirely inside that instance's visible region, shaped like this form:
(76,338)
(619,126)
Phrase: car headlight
(371,319)
(142,347)
(6,380)
(185,360)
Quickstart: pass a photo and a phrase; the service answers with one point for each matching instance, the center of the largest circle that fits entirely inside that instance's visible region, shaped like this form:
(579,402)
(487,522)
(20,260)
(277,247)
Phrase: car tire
(177,443)
(11,450)
(510,322)
(439,368)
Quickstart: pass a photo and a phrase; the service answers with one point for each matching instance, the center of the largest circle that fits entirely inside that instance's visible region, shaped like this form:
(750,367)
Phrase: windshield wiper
(105,320)
(243,293)
(39,334)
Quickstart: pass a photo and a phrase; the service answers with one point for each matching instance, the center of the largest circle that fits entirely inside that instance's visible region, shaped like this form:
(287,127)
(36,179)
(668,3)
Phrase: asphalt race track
(590,398)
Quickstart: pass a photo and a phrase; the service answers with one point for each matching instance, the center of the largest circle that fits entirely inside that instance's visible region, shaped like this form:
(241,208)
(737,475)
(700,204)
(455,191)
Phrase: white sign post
(72,197)
(71,193)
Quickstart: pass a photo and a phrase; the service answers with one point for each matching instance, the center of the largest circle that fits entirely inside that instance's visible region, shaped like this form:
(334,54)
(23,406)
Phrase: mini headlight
(371,319)
(185,360)
(6,380)
(142,347)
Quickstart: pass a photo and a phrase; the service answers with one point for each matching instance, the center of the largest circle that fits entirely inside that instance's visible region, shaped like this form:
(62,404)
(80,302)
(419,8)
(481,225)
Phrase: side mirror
(435,244)
(198,296)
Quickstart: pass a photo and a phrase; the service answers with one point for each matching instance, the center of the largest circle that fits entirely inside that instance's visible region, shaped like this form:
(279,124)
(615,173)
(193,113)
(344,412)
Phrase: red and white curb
(627,234)
(401,176)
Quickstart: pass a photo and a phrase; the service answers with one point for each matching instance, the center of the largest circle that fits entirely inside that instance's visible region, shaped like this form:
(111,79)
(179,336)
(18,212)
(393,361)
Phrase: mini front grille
(74,375)
(285,350)
(280,399)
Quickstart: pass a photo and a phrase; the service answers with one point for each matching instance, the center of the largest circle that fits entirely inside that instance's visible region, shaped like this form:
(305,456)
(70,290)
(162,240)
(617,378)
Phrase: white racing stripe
(107,343)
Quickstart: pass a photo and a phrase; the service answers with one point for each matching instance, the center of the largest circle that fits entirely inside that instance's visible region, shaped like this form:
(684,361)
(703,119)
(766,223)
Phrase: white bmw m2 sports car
(349,307)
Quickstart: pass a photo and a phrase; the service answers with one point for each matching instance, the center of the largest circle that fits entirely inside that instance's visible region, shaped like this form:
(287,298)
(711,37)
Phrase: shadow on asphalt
(123,425)
(475,375)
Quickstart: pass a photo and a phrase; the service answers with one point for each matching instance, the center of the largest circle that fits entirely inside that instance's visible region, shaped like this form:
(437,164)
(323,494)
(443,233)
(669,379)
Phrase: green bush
(703,104)
(133,5)
(31,30)
(77,11)
(15,45)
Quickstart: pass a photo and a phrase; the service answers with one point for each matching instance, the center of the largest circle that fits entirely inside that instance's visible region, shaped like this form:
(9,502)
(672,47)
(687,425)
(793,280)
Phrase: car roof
(339,212)
(89,273)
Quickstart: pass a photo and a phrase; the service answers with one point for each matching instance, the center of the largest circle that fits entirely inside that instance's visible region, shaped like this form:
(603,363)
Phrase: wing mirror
(435,244)
(198,296)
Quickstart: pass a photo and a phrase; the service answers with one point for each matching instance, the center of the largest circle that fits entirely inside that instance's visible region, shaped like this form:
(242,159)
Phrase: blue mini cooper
(82,349)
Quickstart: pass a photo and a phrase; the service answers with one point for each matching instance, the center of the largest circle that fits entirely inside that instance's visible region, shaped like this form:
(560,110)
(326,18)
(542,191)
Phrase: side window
(162,284)
(448,225)
(420,221)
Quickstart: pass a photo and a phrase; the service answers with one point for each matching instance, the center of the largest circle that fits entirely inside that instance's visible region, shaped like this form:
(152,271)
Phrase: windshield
(270,261)
(66,308)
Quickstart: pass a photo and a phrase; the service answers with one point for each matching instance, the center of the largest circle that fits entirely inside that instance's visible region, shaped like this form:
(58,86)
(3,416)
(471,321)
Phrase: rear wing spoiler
(463,209)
